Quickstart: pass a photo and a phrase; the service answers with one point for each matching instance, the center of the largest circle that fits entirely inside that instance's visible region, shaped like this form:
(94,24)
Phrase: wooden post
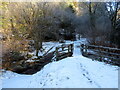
(85,48)
(108,53)
(68,48)
(99,52)
(62,47)
(82,48)
(72,48)
(56,53)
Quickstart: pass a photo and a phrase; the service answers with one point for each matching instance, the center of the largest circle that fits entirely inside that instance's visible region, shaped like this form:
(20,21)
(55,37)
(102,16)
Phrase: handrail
(104,47)
(59,51)
(102,52)
(101,49)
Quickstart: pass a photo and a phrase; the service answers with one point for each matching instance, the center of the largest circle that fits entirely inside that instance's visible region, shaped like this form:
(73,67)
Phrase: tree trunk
(92,24)
(37,47)
(37,51)
(113,23)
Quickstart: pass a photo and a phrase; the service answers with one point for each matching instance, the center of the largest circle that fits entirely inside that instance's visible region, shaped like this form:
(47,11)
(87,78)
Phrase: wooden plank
(102,47)
(64,51)
(101,53)
(84,48)
(105,52)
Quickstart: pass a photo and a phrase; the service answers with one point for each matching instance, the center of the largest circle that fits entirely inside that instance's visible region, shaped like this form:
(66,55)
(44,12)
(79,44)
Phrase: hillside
(71,72)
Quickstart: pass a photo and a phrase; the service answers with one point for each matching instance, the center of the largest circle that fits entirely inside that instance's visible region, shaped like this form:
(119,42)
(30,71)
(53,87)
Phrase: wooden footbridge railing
(63,51)
(107,54)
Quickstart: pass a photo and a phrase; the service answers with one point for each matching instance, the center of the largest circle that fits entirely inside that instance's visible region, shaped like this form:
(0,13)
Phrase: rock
(29,71)
(24,67)
(19,69)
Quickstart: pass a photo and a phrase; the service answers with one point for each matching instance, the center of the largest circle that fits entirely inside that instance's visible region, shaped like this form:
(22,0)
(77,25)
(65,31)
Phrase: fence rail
(107,54)
(64,51)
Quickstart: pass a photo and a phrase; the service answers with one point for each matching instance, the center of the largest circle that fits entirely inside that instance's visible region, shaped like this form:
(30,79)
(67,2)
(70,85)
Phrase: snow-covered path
(71,72)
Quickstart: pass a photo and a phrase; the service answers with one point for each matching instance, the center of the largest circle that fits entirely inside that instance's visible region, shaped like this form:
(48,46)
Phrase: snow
(30,60)
(71,72)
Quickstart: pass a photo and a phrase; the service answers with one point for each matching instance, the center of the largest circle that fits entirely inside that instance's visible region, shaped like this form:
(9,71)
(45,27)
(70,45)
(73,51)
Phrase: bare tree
(112,14)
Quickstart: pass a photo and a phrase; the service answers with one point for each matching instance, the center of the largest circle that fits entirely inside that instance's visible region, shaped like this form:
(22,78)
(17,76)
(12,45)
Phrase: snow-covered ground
(71,72)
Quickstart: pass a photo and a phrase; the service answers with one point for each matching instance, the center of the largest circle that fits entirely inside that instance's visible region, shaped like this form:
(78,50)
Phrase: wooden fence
(65,50)
(106,54)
